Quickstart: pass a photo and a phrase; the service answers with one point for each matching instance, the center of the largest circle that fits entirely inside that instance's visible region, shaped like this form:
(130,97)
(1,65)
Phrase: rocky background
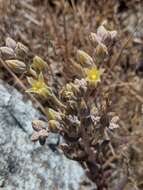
(24,165)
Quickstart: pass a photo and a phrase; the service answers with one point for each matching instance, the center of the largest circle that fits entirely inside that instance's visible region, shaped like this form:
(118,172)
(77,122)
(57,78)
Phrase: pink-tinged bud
(6,53)
(21,50)
(103,33)
(38,125)
(10,43)
(94,38)
(43,133)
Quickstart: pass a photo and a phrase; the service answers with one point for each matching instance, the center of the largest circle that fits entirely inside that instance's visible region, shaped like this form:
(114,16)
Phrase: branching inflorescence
(73,113)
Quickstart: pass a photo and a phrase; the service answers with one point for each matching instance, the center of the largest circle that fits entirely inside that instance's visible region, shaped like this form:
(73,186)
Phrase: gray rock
(28,166)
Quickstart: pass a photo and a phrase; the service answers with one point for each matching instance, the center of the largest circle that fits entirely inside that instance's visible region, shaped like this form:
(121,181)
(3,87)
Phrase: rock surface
(28,166)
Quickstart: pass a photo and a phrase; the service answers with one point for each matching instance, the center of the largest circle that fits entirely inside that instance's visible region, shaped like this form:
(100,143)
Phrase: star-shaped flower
(38,86)
(93,75)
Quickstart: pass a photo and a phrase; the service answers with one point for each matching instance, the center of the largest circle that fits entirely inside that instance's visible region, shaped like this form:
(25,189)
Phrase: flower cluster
(12,53)
(41,132)
(90,72)
(73,113)
(83,128)
(102,40)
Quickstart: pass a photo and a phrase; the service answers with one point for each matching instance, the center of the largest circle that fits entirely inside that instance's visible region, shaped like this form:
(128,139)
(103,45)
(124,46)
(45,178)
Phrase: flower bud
(101,50)
(38,125)
(82,85)
(43,133)
(94,38)
(66,93)
(7,53)
(21,49)
(83,58)
(10,43)
(113,123)
(103,33)
(53,126)
(16,65)
(38,64)
(30,71)
(76,68)
(53,115)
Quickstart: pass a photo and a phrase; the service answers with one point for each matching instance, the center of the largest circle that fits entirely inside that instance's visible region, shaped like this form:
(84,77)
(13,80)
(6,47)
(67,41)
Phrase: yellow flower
(38,86)
(93,75)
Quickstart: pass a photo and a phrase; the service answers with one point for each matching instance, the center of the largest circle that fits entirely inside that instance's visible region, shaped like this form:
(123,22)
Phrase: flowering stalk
(82,125)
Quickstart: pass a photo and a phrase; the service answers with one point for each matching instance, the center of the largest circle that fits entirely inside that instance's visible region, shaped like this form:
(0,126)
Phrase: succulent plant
(73,113)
